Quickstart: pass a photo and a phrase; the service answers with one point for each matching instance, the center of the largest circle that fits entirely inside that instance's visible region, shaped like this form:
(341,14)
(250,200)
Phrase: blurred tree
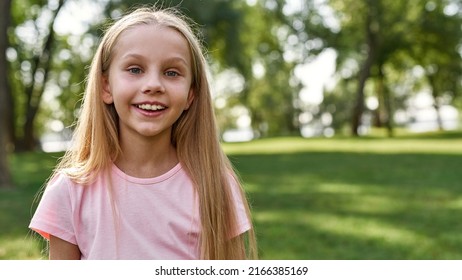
(338,103)
(373,34)
(439,53)
(271,91)
(5,176)
(380,29)
(32,41)
(394,36)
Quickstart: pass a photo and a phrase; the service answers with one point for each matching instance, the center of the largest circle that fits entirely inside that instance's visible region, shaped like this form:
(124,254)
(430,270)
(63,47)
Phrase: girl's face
(149,80)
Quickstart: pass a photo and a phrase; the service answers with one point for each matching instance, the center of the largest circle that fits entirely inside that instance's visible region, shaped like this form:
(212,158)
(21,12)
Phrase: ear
(190,99)
(106,94)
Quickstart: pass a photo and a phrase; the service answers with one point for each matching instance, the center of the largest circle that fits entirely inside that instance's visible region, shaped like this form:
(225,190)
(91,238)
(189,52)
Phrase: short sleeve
(243,220)
(53,215)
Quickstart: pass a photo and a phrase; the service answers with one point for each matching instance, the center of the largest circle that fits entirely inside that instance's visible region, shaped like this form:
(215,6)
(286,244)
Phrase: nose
(153,83)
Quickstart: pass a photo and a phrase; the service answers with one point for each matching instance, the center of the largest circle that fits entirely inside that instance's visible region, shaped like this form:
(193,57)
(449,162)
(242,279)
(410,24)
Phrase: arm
(63,250)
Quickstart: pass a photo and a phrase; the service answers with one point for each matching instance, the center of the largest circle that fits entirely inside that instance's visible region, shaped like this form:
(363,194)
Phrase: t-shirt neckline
(146,181)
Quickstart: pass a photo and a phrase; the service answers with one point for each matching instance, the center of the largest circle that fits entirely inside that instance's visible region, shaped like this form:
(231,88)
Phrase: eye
(134,70)
(171,73)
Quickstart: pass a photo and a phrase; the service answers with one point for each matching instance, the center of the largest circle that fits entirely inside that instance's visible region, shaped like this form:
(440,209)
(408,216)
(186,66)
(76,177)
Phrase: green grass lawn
(339,198)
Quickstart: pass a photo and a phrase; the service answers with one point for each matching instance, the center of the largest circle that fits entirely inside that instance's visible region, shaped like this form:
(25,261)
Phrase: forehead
(152,38)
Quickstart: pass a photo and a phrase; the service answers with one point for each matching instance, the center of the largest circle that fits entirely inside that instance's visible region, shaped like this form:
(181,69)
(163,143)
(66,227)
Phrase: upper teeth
(151,107)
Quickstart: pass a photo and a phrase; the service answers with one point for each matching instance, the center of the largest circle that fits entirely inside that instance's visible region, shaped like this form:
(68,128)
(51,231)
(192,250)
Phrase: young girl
(146,177)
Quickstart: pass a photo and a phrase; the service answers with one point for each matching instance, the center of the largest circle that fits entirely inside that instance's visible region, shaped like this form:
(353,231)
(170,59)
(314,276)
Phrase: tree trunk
(364,73)
(358,109)
(379,115)
(389,110)
(11,112)
(436,101)
(5,176)
(385,104)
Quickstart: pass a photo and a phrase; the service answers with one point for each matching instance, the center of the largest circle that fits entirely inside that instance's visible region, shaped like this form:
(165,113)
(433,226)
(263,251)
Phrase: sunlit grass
(430,145)
(22,247)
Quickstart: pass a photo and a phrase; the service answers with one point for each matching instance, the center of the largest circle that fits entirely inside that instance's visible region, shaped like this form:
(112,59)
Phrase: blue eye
(134,70)
(171,74)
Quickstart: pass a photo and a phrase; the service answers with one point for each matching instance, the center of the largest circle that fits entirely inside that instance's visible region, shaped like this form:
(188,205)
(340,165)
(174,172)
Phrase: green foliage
(338,103)
(68,77)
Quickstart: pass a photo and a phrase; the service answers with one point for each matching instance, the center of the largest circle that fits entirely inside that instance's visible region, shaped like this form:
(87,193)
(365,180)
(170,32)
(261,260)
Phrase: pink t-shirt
(158,217)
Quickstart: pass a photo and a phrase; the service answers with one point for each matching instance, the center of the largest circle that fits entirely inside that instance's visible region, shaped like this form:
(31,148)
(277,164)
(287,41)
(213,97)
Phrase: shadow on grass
(321,205)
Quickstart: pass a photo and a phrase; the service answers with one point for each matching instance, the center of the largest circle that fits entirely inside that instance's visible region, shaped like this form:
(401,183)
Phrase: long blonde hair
(194,135)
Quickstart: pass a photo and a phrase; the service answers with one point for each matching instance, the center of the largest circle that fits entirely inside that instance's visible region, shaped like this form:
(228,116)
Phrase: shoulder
(62,186)
(59,182)
(59,190)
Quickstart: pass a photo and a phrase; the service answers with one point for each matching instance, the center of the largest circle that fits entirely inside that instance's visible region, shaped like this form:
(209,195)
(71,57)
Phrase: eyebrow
(170,59)
(134,55)
(177,59)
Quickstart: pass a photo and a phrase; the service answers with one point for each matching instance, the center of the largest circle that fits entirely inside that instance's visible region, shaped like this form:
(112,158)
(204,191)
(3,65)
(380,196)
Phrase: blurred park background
(341,116)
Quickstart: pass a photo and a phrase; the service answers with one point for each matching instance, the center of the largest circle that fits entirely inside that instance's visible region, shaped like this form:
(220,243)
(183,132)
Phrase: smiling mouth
(149,107)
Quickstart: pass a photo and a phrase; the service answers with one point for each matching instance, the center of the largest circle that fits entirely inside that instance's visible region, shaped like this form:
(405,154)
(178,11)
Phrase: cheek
(186,100)
(121,92)
(120,102)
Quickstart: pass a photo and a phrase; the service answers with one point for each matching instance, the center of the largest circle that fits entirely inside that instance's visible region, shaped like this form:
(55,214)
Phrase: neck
(146,157)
